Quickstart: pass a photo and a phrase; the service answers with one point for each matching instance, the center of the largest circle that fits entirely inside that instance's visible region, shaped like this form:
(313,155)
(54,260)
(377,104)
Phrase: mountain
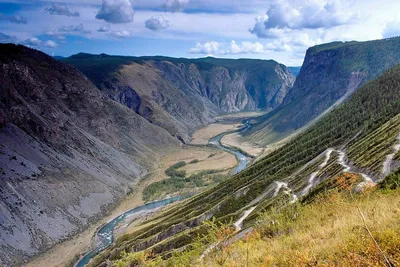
(358,137)
(68,154)
(329,75)
(59,57)
(180,94)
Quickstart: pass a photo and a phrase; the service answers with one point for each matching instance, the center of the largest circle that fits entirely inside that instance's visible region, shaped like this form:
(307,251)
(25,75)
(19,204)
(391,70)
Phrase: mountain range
(77,134)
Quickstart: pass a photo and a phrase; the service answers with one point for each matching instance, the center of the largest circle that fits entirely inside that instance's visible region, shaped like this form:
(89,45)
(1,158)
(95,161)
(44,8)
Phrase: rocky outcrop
(330,73)
(181,95)
(67,152)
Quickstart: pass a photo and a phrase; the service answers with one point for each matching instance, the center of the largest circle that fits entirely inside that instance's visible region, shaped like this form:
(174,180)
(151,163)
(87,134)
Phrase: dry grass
(329,232)
(201,136)
(235,140)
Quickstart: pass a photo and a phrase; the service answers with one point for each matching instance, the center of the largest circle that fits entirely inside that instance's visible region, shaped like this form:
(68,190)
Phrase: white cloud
(284,15)
(234,48)
(175,5)
(121,34)
(33,42)
(245,48)
(156,23)
(50,44)
(116,11)
(208,48)
(105,28)
(62,10)
(78,29)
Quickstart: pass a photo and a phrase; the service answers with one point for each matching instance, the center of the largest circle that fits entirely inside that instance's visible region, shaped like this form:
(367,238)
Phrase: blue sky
(268,29)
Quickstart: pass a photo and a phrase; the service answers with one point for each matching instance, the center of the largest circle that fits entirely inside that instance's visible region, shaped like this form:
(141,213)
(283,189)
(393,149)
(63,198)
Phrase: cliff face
(67,152)
(330,73)
(181,95)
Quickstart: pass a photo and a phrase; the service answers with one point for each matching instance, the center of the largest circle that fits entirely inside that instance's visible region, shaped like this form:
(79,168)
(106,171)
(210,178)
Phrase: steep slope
(181,95)
(67,152)
(330,73)
(357,137)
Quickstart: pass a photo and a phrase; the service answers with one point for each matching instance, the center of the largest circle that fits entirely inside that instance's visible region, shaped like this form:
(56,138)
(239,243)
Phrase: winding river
(242,159)
(105,236)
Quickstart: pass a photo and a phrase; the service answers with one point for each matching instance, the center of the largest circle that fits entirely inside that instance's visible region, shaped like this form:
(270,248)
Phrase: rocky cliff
(181,95)
(330,73)
(67,152)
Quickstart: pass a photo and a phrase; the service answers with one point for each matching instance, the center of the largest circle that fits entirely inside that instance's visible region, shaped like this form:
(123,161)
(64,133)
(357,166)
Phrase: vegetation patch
(177,183)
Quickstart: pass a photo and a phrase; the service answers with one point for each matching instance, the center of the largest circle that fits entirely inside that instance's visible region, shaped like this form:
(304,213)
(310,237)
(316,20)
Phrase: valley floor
(67,252)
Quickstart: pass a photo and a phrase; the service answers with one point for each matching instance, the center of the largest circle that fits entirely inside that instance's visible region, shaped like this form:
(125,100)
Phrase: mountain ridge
(329,75)
(201,88)
(68,154)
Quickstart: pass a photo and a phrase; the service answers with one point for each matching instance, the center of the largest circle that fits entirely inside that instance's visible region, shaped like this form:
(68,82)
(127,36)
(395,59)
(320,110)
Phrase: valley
(158,161)
(206,159)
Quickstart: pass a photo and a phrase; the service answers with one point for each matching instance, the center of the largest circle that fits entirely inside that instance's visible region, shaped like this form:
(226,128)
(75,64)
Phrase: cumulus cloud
(50,44)
(121,34)
(62,10)
(4,38)
(208,48)
(261,31)
(33,42)
(14,19)
(175,5)
(105,28)
(156,23)
(116,11)
(245,48)
(55,34)
(234,48)
(80,29)
(283,15)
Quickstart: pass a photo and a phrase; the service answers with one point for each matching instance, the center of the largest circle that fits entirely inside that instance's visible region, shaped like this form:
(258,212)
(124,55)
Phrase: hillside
(358,138)
(180,94)
(329,75)
(68,154)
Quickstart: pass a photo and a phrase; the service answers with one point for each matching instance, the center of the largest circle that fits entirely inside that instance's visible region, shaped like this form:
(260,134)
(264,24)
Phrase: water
(243,160)
(105,234)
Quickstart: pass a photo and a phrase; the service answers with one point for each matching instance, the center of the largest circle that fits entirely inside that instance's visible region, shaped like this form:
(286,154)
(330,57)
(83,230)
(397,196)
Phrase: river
(242,159)
(105,236)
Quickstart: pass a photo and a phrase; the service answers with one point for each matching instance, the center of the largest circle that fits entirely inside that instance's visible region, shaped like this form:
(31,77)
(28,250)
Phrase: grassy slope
(352,123)
(328,232)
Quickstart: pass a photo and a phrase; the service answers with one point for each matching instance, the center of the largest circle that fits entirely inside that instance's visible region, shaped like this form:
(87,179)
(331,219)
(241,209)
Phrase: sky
(266,29)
